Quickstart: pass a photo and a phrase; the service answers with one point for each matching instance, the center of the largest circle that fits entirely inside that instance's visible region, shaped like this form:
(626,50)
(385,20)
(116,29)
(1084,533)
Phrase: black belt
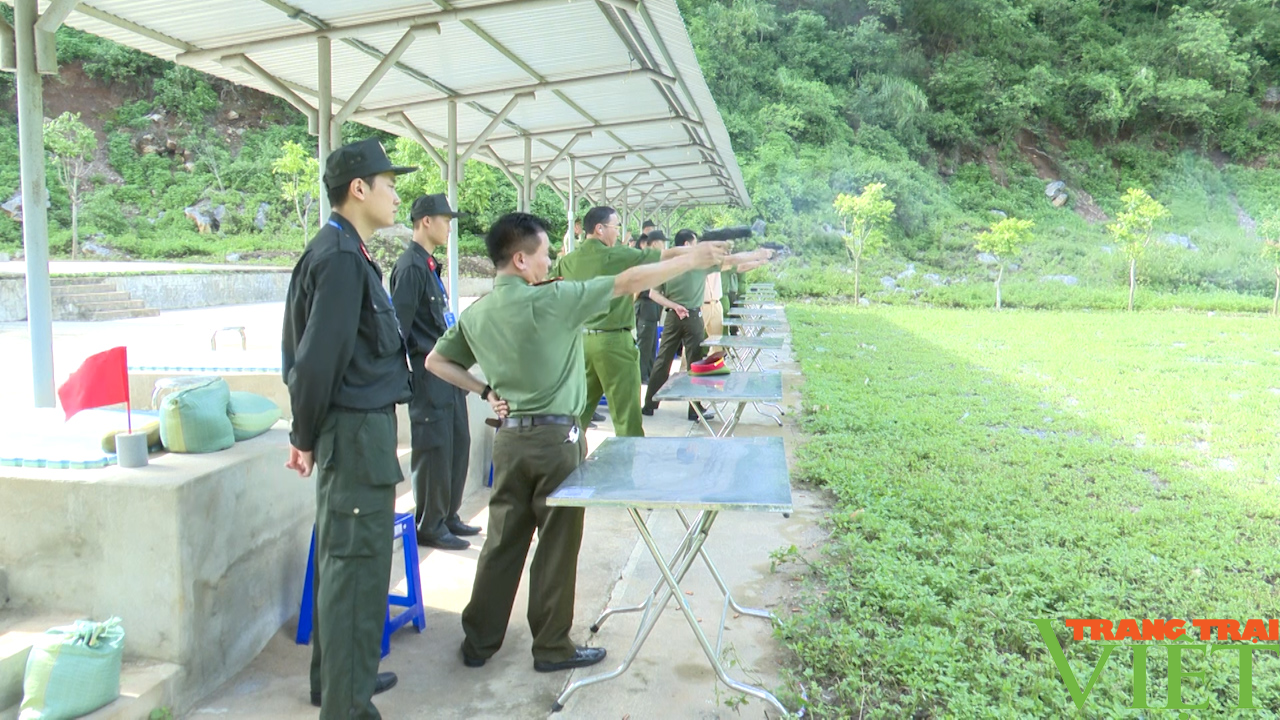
(534,420)
(691,311)
(385,409)
(589,331)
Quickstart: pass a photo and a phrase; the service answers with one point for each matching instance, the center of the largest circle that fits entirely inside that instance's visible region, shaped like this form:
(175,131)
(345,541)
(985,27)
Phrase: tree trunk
(999,277)
(1133,280)
(1275,302)
(75,227)
(857,275)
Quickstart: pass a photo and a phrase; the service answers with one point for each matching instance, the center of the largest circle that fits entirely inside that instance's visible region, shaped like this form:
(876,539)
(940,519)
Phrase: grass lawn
(994,468)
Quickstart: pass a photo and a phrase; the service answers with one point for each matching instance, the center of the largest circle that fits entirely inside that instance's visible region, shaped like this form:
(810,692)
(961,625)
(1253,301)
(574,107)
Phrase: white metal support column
(324,112)
(35,227)
(526,200)
(452,171)
(571,238)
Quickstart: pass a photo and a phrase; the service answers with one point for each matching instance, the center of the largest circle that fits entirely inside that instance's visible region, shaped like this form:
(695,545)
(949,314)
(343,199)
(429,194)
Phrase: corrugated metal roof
(483,46)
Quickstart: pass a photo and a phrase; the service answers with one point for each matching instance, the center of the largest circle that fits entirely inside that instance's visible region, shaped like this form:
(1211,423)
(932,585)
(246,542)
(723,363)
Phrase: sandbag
(251,414)
(194,420)
(72,671)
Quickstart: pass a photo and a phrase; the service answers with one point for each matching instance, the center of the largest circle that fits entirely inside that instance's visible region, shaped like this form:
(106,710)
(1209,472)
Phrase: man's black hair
(338,195)
(513,233)
(684,237)
(597,216)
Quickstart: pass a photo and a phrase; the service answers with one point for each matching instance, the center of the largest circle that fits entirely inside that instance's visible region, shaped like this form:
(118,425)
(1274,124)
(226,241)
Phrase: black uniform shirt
(418,295)
(341,343)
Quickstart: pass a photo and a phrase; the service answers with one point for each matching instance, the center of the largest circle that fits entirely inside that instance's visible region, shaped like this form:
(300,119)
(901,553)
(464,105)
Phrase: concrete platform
(201,556)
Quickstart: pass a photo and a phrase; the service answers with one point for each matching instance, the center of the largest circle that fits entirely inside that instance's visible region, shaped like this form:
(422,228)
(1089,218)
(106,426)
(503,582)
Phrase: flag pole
(128,406)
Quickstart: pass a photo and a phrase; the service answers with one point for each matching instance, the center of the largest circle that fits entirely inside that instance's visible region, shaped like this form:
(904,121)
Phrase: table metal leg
(654,606)
(692,619)
(676,557)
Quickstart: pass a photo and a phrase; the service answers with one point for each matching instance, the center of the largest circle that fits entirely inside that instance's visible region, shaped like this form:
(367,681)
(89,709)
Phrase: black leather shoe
(582,657)
(470,661)
(447,541)
(462,529)
(597,417)
(648,410)
(707,413)
(386,681)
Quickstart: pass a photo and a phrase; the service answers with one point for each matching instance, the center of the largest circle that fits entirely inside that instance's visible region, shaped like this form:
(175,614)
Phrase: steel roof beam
(493,125)
(244,64)
(474,12)
(388,61)
(501,92)
(416,134)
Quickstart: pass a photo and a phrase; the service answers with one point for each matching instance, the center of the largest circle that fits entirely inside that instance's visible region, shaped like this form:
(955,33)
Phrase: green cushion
(251,414)
(195,420)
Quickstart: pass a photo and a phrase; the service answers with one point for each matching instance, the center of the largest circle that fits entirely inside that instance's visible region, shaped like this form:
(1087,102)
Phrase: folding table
(721,391)
(705,476)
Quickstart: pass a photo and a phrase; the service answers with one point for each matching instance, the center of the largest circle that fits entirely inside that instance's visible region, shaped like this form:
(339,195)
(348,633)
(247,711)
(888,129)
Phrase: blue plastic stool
(403,529)
(657,343)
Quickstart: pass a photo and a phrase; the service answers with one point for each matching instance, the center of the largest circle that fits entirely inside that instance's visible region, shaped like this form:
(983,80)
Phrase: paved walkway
(670,678)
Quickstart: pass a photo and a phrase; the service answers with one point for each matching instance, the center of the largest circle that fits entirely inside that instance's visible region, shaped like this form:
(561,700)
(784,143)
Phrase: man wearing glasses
(612,361)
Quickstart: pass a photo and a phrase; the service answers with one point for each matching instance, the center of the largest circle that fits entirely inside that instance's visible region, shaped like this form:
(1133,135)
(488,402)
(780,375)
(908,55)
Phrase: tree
(1269,233)
(1134,228)
(71,145)
(1005,240)
(862,218)
(298,171)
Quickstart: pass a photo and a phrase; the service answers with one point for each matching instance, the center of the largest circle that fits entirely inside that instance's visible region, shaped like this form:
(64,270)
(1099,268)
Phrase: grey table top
(775,313)
(734,387)
(761,342)
(766,323)
(688,473)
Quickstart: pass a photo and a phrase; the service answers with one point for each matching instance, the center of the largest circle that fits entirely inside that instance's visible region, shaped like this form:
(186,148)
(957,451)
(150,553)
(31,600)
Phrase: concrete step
(121,314)
(83,299)
(67,280)
(124,303)
(82,289)
(144,687)
(17,632)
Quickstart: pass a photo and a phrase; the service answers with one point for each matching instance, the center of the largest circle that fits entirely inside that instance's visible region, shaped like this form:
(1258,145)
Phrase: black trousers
(676,332)
(440,439)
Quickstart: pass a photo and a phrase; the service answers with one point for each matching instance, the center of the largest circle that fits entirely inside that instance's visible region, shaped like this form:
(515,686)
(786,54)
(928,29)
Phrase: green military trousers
(356,474)
(689,333)
(529,463)
(613,371)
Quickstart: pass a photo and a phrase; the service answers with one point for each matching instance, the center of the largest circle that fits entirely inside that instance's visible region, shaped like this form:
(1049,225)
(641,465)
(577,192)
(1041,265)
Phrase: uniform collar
(505,279)
(595,243)
(347,234)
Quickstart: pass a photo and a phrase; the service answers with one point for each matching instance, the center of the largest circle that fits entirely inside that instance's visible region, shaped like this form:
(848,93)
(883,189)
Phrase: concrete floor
(670,678)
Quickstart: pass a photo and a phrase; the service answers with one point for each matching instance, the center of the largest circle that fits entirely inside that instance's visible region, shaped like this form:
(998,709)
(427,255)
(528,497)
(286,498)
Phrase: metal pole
(35,220)
(324,107)
(454,175)
(527,200)
(573,205)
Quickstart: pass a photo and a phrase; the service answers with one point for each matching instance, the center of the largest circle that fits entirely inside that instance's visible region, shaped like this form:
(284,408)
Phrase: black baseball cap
(357,160)
(431,206)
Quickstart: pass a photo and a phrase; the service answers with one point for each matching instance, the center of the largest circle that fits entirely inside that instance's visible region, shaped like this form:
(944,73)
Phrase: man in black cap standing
(344,362)
(648,311)
(441,438)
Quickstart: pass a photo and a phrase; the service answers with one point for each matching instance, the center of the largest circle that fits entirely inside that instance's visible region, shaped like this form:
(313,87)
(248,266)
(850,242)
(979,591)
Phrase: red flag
(103,379)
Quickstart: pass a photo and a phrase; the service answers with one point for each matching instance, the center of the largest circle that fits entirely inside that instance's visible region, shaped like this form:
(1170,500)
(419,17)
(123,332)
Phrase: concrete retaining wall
(201,556)
(179,291)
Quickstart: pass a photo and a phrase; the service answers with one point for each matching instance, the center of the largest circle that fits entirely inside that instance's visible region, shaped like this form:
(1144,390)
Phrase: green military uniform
(612,361)
(687,291)
(344,362)
(528,341)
